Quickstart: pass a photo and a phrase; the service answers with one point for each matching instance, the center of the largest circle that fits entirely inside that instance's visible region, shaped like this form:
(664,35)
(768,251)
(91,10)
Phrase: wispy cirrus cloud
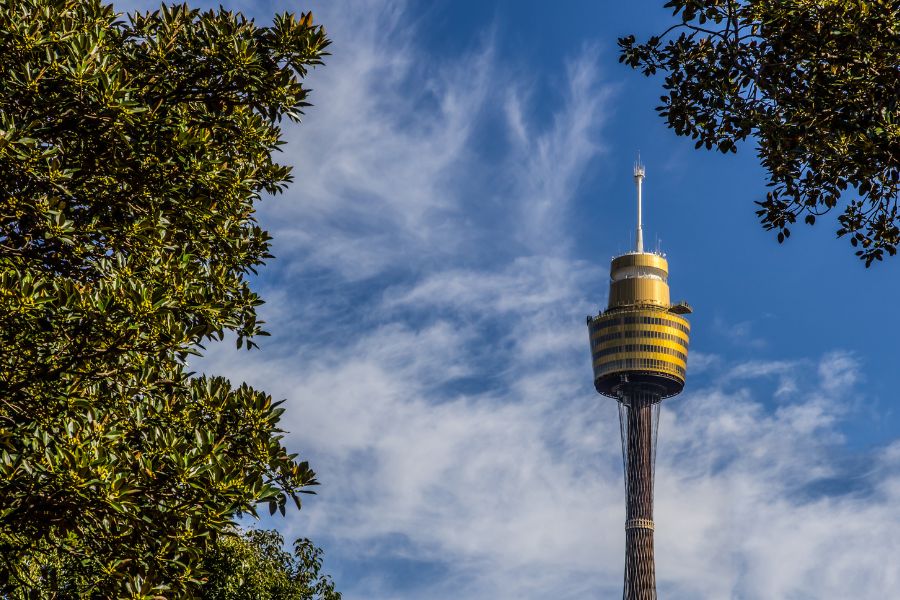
(383,159)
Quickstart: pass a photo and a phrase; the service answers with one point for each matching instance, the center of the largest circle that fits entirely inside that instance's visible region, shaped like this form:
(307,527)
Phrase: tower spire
(638,180)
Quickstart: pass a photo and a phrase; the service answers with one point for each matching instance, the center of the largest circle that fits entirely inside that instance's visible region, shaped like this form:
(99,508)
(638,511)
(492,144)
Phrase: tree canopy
(238,565)
(254,565)
(132,152)
(814,82)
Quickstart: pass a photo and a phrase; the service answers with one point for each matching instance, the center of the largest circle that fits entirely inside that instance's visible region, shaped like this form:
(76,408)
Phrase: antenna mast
(638,179)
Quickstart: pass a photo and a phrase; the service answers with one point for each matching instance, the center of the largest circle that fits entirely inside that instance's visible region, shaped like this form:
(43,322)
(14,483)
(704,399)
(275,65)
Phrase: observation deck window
(639,272)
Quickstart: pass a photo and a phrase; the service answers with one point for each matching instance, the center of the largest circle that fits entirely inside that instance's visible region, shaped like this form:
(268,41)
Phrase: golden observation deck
(641,337)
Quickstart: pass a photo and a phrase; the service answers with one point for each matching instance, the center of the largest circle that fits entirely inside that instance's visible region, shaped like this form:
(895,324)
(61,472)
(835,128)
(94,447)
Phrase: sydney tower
(639,346)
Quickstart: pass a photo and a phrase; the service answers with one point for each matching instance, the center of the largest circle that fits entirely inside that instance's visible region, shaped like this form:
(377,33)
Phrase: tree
(813,81)
(132,153)
(254,565)
(239,565)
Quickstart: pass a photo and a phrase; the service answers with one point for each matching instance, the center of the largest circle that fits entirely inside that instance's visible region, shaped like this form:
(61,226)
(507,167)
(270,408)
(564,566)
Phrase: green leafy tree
(814,82)
(254,565)
(239,565)
(132,152)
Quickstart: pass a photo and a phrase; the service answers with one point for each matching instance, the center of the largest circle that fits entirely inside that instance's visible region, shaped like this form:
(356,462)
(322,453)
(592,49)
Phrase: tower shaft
(639,419)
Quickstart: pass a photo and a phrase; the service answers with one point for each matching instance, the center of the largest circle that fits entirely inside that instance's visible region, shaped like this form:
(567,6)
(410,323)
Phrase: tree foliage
(254,565)
(132,152)
(814,81)
(239,565)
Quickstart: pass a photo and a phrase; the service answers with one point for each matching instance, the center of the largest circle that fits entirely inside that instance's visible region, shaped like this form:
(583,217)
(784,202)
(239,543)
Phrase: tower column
(639,414)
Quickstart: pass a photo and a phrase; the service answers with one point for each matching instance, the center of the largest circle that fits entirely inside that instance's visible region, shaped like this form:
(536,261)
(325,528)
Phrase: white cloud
(736,518)
(518,490)
(379,160)
(740,334)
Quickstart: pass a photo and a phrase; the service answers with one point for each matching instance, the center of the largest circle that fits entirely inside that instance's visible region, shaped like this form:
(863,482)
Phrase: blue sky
(461,184)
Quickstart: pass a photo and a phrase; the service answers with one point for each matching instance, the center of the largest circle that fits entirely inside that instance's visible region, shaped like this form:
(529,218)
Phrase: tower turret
(639,346)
